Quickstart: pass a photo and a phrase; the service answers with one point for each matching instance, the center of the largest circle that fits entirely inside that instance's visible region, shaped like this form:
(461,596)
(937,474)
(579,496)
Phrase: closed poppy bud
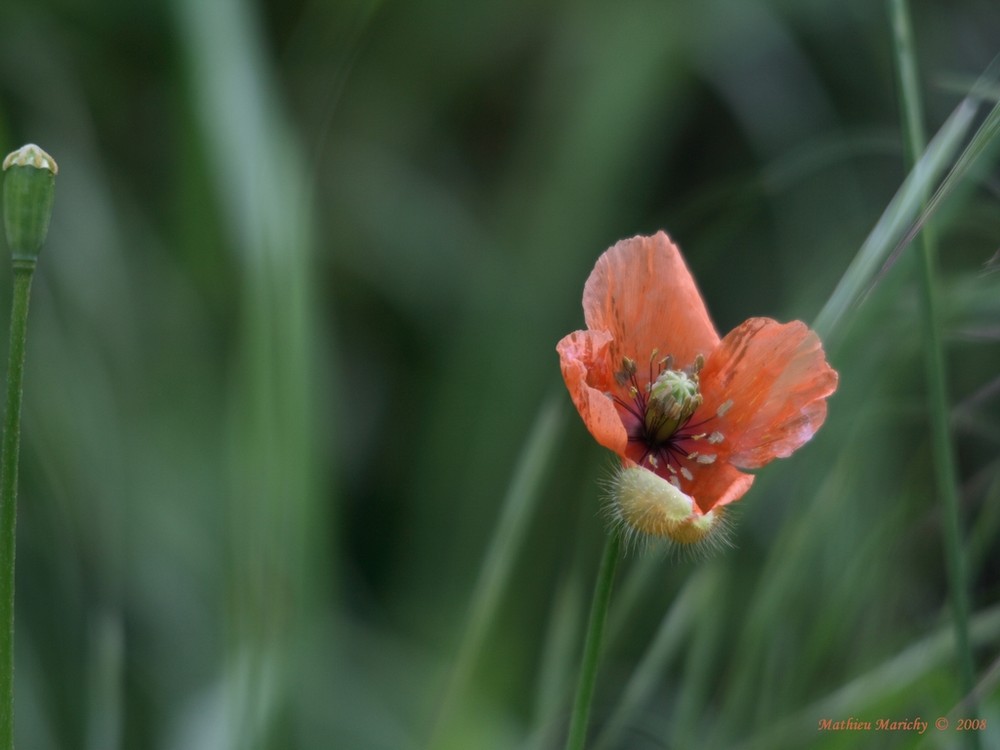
(644,504)
(28,192)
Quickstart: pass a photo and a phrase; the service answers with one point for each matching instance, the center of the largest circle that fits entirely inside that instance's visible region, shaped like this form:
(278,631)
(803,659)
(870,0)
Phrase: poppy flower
(685,411)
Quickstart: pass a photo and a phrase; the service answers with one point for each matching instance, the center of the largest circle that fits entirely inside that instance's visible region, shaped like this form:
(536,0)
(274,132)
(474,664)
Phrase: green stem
(937,383)
(592,646)
(23,270)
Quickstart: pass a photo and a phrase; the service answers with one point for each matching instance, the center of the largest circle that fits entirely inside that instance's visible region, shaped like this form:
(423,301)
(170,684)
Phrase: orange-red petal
(777,378)
(583,357)
(642,293)
(716,485)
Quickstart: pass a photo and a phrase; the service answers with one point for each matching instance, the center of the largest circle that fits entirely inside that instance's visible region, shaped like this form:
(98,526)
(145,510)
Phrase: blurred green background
(295,324)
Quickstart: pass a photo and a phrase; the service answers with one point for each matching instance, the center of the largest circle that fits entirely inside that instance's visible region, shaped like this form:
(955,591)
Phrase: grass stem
(937,383)
(23,271)
(592,646)
(518,507)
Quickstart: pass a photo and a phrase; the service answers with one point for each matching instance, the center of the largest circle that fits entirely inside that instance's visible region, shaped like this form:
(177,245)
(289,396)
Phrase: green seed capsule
(28,192)
(673,397)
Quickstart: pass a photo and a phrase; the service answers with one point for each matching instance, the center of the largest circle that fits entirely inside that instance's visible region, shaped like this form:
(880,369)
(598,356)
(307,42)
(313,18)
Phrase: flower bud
(645,503)
(28,192)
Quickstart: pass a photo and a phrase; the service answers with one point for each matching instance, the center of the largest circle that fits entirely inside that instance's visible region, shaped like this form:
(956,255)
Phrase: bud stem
(23,271)
(592,647)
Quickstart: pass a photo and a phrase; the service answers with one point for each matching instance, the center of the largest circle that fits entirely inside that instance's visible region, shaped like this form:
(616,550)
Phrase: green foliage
(295,326)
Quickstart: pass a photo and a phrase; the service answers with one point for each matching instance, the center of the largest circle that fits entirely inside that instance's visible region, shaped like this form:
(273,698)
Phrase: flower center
(673,398)
(661,411)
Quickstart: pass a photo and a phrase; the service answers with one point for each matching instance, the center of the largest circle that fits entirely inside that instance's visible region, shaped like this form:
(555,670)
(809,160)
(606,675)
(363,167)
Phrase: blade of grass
(902,210)
(675,625)
(984,688)
(592,646)
(909,209)
(634,586)
(937,385)
(895,675)
(558,664)
(987,525)
(104,724)
(518,506)
(277,553)
(984,137)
